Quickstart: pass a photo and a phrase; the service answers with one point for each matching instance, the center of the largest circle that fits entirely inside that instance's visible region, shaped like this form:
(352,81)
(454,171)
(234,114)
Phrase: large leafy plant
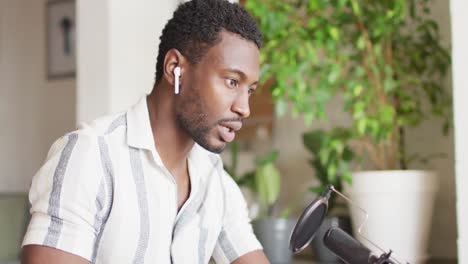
(384,58)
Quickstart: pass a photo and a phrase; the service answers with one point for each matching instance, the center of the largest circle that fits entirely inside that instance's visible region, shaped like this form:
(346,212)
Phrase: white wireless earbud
(176,79)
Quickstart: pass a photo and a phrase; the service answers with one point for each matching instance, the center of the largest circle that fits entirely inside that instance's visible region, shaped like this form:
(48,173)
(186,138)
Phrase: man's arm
(35,254)
(254,257)
(63,195)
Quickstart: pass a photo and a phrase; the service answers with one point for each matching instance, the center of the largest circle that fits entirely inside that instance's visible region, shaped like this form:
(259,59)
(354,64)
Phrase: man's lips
(228,130)
(232,125)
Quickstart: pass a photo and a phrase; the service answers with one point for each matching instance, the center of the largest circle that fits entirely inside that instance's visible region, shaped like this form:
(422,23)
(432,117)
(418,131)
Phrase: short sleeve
(236,237)
(68,197)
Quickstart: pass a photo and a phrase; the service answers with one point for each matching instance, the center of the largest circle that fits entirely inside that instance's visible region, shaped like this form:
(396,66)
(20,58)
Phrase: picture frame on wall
(61,39)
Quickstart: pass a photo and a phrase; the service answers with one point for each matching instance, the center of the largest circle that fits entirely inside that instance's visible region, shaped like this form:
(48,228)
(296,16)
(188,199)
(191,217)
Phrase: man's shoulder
(88,133)
(103,125)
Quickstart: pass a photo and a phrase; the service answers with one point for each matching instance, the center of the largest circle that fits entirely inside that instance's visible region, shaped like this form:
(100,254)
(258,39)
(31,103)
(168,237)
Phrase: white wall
(92,59)
(428,139)
(459,11)
(117,50)
(33,110)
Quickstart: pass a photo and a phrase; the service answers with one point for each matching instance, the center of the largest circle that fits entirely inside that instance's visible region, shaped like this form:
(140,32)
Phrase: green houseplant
(384,59)
(264,181)
(330,159)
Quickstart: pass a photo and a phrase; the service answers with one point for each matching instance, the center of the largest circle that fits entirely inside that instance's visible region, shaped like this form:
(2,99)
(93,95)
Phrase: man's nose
(241,104)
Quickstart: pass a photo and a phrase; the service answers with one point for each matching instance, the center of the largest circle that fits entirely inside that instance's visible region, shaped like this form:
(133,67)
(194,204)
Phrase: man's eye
(232,82)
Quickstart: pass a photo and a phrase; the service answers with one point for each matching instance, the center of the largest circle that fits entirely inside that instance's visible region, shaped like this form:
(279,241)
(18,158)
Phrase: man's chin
(215,147)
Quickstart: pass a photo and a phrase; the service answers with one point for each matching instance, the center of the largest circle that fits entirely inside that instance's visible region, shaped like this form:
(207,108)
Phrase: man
(146,186)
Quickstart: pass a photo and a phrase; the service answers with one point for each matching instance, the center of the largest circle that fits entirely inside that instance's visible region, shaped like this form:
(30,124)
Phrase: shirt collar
(139,132)
(140,135)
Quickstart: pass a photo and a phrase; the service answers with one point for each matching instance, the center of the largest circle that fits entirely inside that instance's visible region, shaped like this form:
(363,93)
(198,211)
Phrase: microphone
(338,241)
(346,247)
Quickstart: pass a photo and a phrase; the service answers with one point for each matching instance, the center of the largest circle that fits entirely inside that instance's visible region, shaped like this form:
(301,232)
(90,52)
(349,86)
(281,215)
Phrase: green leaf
(313,5)
(348,154)
(268,183)
(331,170)
(357,90)
(356,8)
(387,114)
(361,126)
(248,180)
(334,33)
(324,155)
(268,158)
(348,177)
(234,155)
(313,140)
(412,9)
(312,23)
(317,189)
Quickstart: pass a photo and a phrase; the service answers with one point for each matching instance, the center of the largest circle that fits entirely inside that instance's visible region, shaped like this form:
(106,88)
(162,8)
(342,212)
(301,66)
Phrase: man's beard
(191,117)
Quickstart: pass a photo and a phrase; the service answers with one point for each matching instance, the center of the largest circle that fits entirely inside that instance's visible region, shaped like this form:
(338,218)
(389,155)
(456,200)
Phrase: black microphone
(346,247)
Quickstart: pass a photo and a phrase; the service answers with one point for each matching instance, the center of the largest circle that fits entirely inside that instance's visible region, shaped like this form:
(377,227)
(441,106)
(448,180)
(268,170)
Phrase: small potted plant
(273,229)
(245,180)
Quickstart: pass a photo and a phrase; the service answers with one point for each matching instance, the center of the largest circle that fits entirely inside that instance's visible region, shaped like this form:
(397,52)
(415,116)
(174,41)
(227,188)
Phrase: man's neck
(172,142)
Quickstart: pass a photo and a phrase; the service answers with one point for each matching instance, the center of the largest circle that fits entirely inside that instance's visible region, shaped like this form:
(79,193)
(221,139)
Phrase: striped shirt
(104,194)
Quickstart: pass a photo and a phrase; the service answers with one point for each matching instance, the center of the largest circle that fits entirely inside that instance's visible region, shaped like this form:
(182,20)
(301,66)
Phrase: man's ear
(172,60)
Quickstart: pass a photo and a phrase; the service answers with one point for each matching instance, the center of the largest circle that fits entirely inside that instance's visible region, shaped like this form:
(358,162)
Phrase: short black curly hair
(195,27)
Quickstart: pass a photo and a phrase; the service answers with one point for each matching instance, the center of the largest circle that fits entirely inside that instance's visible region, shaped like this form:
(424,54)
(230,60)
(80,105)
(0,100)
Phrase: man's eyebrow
(240,73)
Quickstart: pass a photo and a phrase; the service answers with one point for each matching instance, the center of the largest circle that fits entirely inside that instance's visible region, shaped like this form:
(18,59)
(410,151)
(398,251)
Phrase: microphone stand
(385,258)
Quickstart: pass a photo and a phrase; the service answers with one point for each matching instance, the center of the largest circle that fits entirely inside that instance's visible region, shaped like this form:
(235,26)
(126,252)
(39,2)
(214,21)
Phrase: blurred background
(349,88)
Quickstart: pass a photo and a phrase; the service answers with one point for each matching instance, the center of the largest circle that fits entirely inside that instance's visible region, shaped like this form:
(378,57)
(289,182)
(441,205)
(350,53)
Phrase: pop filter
(309,222)
(342,244)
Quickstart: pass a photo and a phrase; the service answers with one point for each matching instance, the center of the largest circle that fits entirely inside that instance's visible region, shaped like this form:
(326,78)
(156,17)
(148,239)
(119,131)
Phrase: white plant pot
(400,205)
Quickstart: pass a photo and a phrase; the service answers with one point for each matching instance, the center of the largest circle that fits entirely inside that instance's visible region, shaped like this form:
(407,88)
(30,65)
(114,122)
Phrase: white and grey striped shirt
(105,195)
